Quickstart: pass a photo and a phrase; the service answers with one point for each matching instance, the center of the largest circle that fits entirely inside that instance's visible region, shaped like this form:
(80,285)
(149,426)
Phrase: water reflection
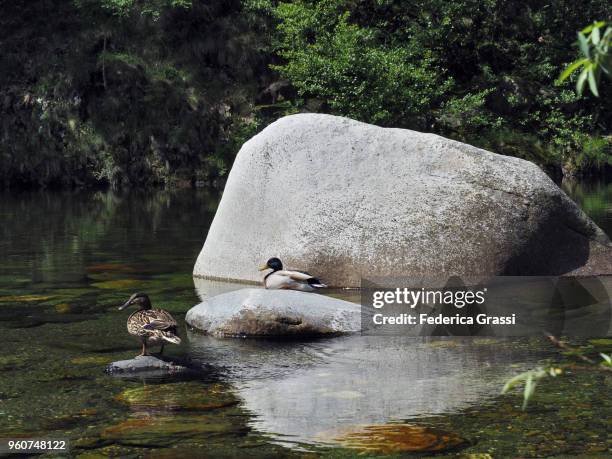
(68,259)
(53,237)
(595,198)
(304,392)
(207,288)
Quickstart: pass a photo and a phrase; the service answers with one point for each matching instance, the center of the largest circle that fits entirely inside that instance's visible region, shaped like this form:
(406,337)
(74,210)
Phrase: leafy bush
(124,92)
(349,67)
(467,69)
(136,93)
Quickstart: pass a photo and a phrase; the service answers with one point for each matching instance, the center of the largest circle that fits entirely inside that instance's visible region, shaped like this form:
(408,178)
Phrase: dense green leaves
(481,72)
(124,8)
(124,92)
(351,69)
(594,42)
(165,91)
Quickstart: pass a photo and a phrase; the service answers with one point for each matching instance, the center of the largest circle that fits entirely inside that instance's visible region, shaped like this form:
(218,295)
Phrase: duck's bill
(123,306)
(263,267)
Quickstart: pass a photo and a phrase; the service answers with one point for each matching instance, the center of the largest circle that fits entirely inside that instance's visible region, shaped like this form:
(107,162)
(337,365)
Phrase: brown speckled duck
(150,326)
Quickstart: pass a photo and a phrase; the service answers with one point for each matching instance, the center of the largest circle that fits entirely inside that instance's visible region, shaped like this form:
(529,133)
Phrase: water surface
(68,260)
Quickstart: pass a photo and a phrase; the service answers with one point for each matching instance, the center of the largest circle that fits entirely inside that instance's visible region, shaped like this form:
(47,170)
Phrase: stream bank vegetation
(530,379)
(126,93)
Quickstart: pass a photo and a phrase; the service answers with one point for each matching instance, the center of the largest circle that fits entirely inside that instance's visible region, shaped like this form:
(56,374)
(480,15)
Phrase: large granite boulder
(347,200)
(253,312)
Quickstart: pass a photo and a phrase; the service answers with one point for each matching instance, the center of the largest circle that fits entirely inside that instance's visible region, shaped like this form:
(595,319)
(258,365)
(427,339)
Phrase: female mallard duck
(150,326)
(279,278)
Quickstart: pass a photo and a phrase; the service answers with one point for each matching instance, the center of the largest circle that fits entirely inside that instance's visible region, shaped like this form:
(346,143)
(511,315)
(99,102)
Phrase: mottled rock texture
(345,200)
(252,312)
(145,363)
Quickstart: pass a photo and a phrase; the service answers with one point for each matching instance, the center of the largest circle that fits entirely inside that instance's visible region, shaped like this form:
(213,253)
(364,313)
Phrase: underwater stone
(183,396)
(253,312)
(399,438)
(346,200)
(161,431)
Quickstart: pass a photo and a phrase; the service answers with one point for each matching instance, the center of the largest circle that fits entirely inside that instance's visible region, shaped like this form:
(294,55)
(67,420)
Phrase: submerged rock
(347,200)
(183,396)
(399,438)
(145,363)
(161,431)
(255,312)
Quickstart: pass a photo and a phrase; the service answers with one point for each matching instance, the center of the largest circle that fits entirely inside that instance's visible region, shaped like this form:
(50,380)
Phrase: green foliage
(137,93)
(467,115)
(594,152)
(471,70)
(123,92)
(594,43)
(349,67)
(530,380)
(123,8)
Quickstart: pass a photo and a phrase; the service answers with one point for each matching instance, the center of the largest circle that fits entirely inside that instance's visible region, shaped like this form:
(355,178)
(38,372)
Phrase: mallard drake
(280,278)
(150,326)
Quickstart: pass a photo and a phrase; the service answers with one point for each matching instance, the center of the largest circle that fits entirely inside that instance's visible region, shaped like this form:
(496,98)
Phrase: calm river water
(69,259)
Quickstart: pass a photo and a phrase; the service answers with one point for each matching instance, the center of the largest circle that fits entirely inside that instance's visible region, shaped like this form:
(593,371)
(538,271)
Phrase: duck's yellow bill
(263,267)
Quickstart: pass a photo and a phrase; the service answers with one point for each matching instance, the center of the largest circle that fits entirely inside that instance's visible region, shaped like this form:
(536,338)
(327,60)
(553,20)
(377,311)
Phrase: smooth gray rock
(147,363)
(345,200)
(255,312)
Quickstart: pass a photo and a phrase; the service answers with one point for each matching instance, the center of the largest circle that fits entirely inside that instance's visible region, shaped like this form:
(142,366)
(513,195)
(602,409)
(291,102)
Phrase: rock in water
(395,438)
(255,312)
(346,200)
(145,363)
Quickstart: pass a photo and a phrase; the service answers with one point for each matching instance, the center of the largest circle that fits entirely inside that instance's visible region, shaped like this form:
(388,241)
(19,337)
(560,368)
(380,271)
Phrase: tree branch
(565,347)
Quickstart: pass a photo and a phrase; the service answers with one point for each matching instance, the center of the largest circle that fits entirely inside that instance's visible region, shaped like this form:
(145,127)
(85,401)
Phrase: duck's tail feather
(170,337)
(316,283)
